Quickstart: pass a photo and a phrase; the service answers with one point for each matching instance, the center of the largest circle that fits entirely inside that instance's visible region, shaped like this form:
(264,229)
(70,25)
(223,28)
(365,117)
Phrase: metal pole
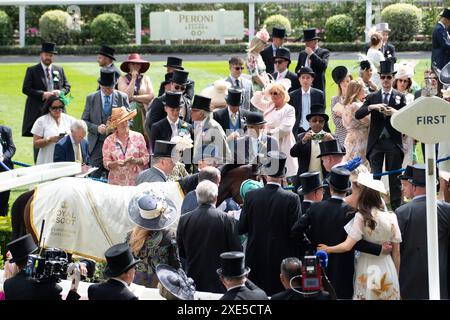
(137,22)
(368,19)
(432,229)
(251,20)
(22,26)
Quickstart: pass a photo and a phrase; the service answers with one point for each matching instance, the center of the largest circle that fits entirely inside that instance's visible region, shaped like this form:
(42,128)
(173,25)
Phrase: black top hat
(21,248)
(119,259)
(418,175)
(234,97)
(364,65)
(407,174)
(274,164)
(150,212)
(174,62)
(201,103)
(167,78)
(309,181)
(255,118)
(387,67)
(446,13)
(49,47)
(172,99)
(232,264)
(309,34)
(339,179)
(339,73)
(305,70)
(107,77)
(163,148)
(330,147)
(107,52)
(176,282)
(317,110)
(283,53)
(278,32)
(180,77)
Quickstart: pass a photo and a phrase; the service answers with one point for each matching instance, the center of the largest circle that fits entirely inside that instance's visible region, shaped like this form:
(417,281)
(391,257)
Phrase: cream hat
(217,93)
(366,179)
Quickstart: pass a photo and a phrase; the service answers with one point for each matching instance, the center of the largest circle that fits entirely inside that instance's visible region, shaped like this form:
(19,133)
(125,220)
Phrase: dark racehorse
(231,178)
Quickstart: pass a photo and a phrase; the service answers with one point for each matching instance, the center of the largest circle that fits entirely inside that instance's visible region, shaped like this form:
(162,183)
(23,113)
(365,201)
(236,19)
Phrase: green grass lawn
(83,76)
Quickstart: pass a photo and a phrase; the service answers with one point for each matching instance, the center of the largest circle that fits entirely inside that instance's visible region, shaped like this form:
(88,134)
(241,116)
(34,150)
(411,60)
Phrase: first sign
(426,119)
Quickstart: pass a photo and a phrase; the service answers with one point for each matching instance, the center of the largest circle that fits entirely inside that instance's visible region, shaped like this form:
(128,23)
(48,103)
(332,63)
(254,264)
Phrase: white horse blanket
(86,217)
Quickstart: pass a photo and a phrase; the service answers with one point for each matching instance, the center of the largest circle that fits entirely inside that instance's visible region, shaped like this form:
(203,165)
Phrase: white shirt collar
(230,113)
(44,67)
(275,183)
(234,287)
(121,281)
(440,22)
(283,74)
(308,92)
(71,139)
(306,200)
(234,79)
(171,122)
(337,197)
(103,95)
(389,92)
(419,196)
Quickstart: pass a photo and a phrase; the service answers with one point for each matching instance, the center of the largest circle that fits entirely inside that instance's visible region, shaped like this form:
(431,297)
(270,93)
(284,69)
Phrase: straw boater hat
(119,115)
(366,179)
(217,93)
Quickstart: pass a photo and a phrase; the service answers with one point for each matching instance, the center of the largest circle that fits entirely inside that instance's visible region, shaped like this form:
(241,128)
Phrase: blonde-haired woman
(255,63)
(280,117)
(357,130)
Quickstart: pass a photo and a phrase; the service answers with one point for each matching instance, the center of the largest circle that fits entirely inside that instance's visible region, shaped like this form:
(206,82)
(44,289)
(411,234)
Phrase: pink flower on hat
(263,35)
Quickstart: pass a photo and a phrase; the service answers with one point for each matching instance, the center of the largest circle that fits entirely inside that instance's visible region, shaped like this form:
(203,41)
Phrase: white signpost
(427,119)
(197,25)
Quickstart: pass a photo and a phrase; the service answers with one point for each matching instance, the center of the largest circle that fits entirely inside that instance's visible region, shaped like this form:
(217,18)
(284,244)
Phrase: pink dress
(357,133)
(279,125)
(114,150)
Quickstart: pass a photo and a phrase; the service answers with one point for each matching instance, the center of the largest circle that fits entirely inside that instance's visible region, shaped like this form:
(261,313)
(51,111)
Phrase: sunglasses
(274,93)
(279,61)
(403,80)
(178,87)
(239,68)
(385,77)
(57,108)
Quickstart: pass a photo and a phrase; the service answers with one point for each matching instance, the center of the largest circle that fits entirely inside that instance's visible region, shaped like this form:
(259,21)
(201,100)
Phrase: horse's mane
(226,168)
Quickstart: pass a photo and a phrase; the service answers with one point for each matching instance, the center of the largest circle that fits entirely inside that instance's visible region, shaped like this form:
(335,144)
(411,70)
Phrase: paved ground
(201,57)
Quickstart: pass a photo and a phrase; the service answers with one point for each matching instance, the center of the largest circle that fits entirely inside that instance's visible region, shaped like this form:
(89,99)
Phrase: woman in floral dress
(255,63)
(376,277)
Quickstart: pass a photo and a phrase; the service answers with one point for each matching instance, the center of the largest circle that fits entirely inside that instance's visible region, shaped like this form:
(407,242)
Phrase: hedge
(205,48)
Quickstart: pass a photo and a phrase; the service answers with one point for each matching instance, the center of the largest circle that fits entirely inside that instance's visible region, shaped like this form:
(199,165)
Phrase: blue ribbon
(379,174)
(22,164)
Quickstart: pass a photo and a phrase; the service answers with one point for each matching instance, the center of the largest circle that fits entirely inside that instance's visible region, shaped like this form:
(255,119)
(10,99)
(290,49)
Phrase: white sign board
(426,119)
(196,25)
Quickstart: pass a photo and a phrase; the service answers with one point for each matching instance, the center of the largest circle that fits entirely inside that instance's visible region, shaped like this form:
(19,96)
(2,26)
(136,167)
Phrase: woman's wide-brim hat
(176,282)
(119,115)
(217,93)
(366,179)
(135,58)
(151,211)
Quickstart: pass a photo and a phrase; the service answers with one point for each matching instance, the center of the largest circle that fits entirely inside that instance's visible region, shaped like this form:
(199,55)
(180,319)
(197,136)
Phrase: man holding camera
(22,286)
(385,143)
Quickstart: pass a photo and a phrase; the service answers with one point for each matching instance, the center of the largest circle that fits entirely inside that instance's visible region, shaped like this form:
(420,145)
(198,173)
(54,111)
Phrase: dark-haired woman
(376,277)
(49,128)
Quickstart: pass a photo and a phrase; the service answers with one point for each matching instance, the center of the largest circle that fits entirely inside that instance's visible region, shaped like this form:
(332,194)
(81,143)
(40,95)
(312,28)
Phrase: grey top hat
(383,26)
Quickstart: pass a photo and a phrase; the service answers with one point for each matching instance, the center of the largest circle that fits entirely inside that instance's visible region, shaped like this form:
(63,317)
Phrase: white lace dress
(375,276)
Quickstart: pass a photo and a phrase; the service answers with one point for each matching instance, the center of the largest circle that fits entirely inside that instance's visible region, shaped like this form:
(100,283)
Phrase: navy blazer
(440,52)
(64,150)
(317,97)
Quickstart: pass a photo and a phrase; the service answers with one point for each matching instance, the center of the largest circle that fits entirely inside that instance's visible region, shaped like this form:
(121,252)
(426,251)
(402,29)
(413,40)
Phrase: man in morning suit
(157,112)
(303,98)
(269,53)
(307,148)
(204,233)
(73,147)
(236,66)
(387,49)
(314,57)
(172,125)
(41,81)
(324,223)
(105,59)
(311,189)
(232,118)
(282,61)
(268,216)
(7,151)
(440,52)
(163,162)
(97,110)
(412,221)
(233,274)
(120,269)
(172,64)
(384,143)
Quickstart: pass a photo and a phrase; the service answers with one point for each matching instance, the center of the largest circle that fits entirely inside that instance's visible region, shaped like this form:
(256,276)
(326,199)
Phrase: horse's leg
(18,214)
